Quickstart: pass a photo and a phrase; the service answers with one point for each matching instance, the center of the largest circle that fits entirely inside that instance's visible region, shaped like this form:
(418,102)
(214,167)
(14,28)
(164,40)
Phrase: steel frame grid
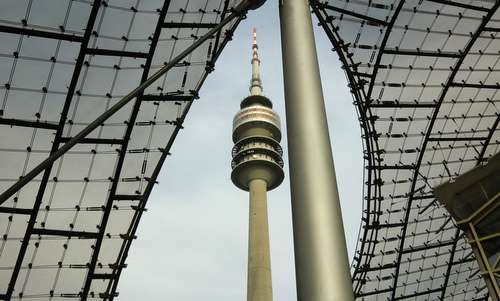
(215,49)
(331,16)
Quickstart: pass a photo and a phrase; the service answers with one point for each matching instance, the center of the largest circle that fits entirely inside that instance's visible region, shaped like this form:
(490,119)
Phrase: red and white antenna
(254,45)
(256,83)
(255,55)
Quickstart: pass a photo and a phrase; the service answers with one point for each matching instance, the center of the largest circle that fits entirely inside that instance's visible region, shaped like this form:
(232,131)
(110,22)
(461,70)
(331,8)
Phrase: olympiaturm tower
(257,167)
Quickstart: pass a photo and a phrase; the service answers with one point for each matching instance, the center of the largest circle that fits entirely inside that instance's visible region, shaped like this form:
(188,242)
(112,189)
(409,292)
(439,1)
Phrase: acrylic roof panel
(62,63)
(425,77)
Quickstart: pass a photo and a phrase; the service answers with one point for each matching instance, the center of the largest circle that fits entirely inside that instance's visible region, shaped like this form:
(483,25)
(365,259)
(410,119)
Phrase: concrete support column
(321,261)
(259,284)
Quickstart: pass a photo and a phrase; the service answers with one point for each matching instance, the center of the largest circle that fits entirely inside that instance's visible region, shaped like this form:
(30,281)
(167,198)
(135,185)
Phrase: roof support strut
(321,260)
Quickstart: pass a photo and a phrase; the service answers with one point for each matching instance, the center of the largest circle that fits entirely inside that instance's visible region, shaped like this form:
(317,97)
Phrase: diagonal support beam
(94,140)
(166,97)
(53,232)
(477,86)
(455,139)
(353,14)
(374,292)
(421,53)
(188,25)
(28,123)
(391,167)
(392,105)
(462,5)
(40,33)
(11,210)
(113,52)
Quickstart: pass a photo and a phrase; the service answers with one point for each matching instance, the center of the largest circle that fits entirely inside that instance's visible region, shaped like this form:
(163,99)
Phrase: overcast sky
(192,242)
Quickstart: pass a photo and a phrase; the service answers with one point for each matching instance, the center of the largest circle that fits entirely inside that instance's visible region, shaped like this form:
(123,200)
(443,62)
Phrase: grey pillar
(259,284)
(321,261)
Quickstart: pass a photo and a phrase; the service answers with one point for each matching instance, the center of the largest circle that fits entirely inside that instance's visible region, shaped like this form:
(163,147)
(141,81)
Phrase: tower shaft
(259,282)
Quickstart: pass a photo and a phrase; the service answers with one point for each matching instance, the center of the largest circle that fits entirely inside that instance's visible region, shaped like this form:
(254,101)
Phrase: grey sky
(192,243)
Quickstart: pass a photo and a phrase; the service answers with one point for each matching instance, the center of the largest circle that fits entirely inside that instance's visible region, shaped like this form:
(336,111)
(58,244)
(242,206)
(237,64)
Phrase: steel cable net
(424,77)
(66,234)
